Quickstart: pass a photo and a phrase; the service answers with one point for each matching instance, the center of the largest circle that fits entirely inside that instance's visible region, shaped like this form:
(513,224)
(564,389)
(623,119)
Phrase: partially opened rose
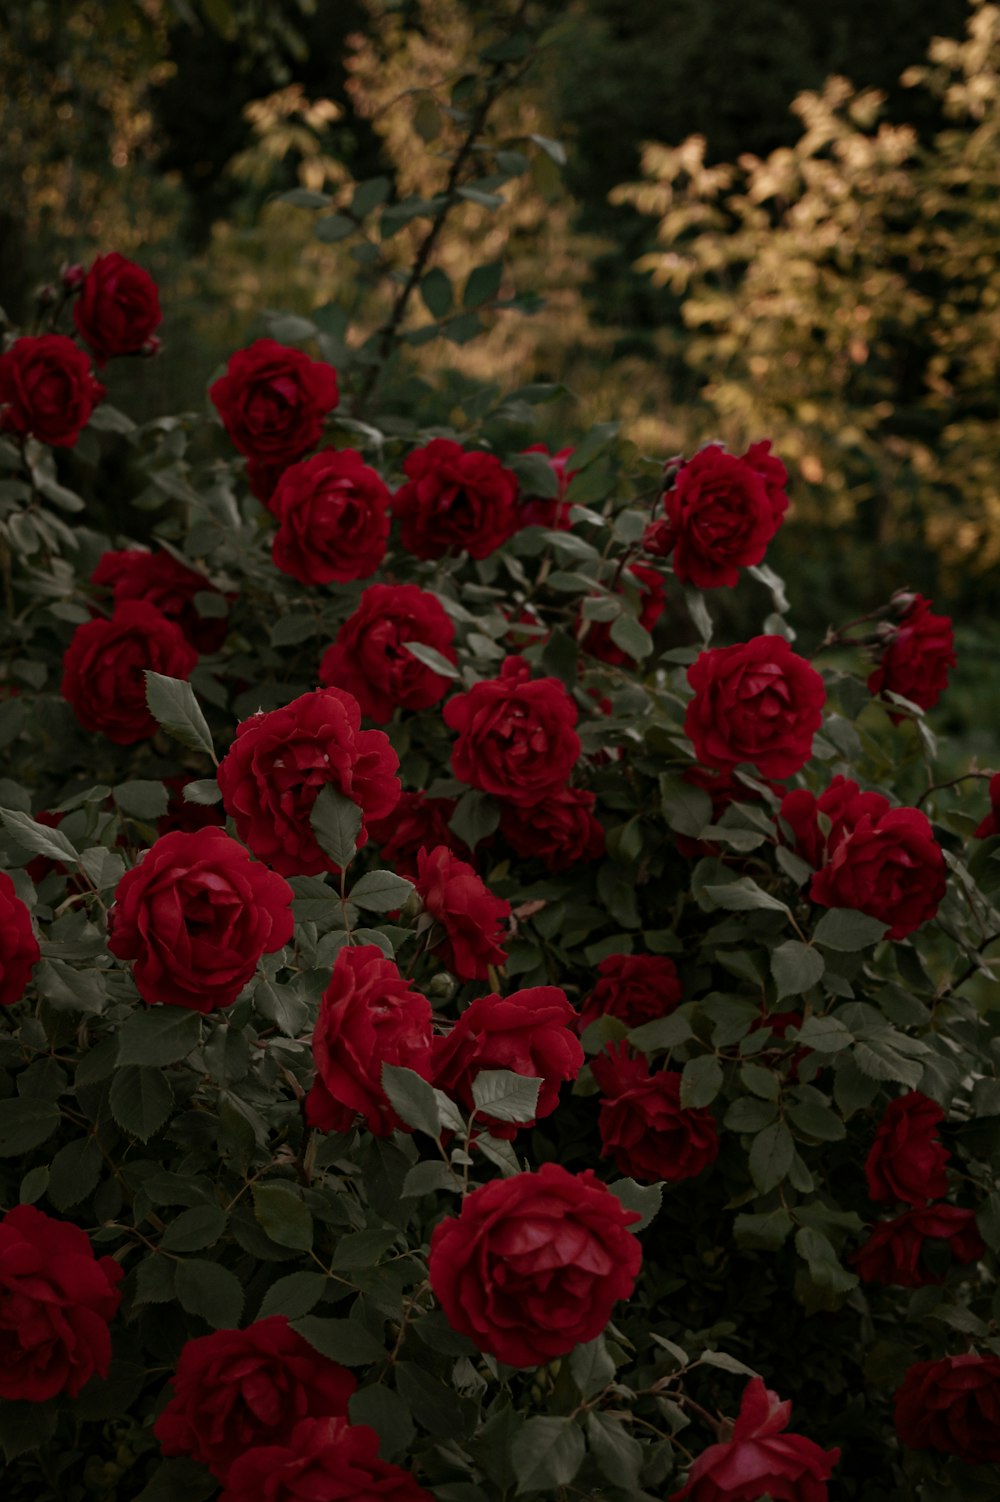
(953,1406)
(169,586)
(370,657)
(914,656)
(643,1125)
(104,669)
(321,1460)
(47,389)
(889,866)
(333,518)
(273,401)
(906,1161)
(56,1302)
(469,919)
(516,735)
(757,702)
(636,988)
(455,499)
(534,1264)
(899,1251)
(118,307)
(19,951)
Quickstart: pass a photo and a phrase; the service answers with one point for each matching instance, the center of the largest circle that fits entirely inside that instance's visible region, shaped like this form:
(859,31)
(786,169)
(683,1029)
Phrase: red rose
(333,519)
(952,1405)
(56,1300)
(47,389)
(894,1251)
(637,988)
(551,511)
(596,638)
(235,1389)
(118,307)
(454,499)
(170,587)
(991,824)
(368,1017)
(279,761)
(890,867)
(914,656)
(19,951)
(757,702)
(843,804)
(104,669)
(642,1125)
(720,514)
(561,831)
(759,1459)
(416,823)
(515,737)
(529,1032)
(263,478)
(468,916)
(324,1460)
(195,915)
(534,1264)
(369,657)
(273,401)
(906,1160)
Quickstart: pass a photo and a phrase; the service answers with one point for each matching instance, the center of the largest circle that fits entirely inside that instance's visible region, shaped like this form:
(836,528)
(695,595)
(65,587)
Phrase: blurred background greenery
(772,221)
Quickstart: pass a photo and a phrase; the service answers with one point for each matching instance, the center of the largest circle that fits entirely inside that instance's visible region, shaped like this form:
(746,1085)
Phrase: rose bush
(468,1031)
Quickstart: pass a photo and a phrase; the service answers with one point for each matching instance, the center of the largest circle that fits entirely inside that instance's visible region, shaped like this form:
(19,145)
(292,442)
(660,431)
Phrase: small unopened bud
(442,987)
(903,602)
(47,295)
(72,277)
(151,347)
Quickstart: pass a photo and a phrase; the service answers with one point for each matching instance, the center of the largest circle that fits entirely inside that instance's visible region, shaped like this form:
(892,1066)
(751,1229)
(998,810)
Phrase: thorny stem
(936,787)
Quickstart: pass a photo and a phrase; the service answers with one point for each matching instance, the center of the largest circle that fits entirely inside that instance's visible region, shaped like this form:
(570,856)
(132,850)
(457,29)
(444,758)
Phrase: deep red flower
(333,518)
(842,806)
(273,401)
(370,659)
(235,1389)
(756,702)
(19,951)
(195,916)
(455,499)
(894,1251)
(760,1459)
(597,639)
(368,1017)
(531,1032)
(907,1158)
(56,1301)
(642,1124)
(118,307)
(549,511)
(47,389)
(720,513)
(890,867)
(953,1406)
(468,915)
(275,768)
(104,669)
(324,1460)
(534,1264)
(516,738)
(416,823)
(170,587)
(991,824)
(560,831)
(914,656)
(636,988)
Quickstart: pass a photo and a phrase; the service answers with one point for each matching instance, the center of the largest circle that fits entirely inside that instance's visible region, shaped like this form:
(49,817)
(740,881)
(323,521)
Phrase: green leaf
(824,1265)
(646,1199)
(795,967)
(986,1097)
(384,1411)
(25,1427)
(506,1096)
(156,1281)
(381,891)
(343,1340)
(536,475)
(211,1291)
(745,1115)
(662,1032)
(178,1481)
(483,284)
(476,817)
(158,1036)
(546,1453)
(594,443)
(336,823)
(281,1212)
(437,293)
(744,895)
(554,149)
(632,637)
(768,1231)
(619,1456)
(295,1295)
(700,1082)
(412,1099)
(988,1220)
(75,1171)
(815,1120)
(141,1100)
(824,1034)
(591,1367)
(195,1229)
(699,612)
(33,1185)
(26,1122)
(145,800)
(427,1178)
(333,227)
(174,707)
(299,198)
(771,1156)
(844,929)
(282,1006)
(727,1363)
(38,839)
(431,658)
(294,627)
(227,1055)
(369,194)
